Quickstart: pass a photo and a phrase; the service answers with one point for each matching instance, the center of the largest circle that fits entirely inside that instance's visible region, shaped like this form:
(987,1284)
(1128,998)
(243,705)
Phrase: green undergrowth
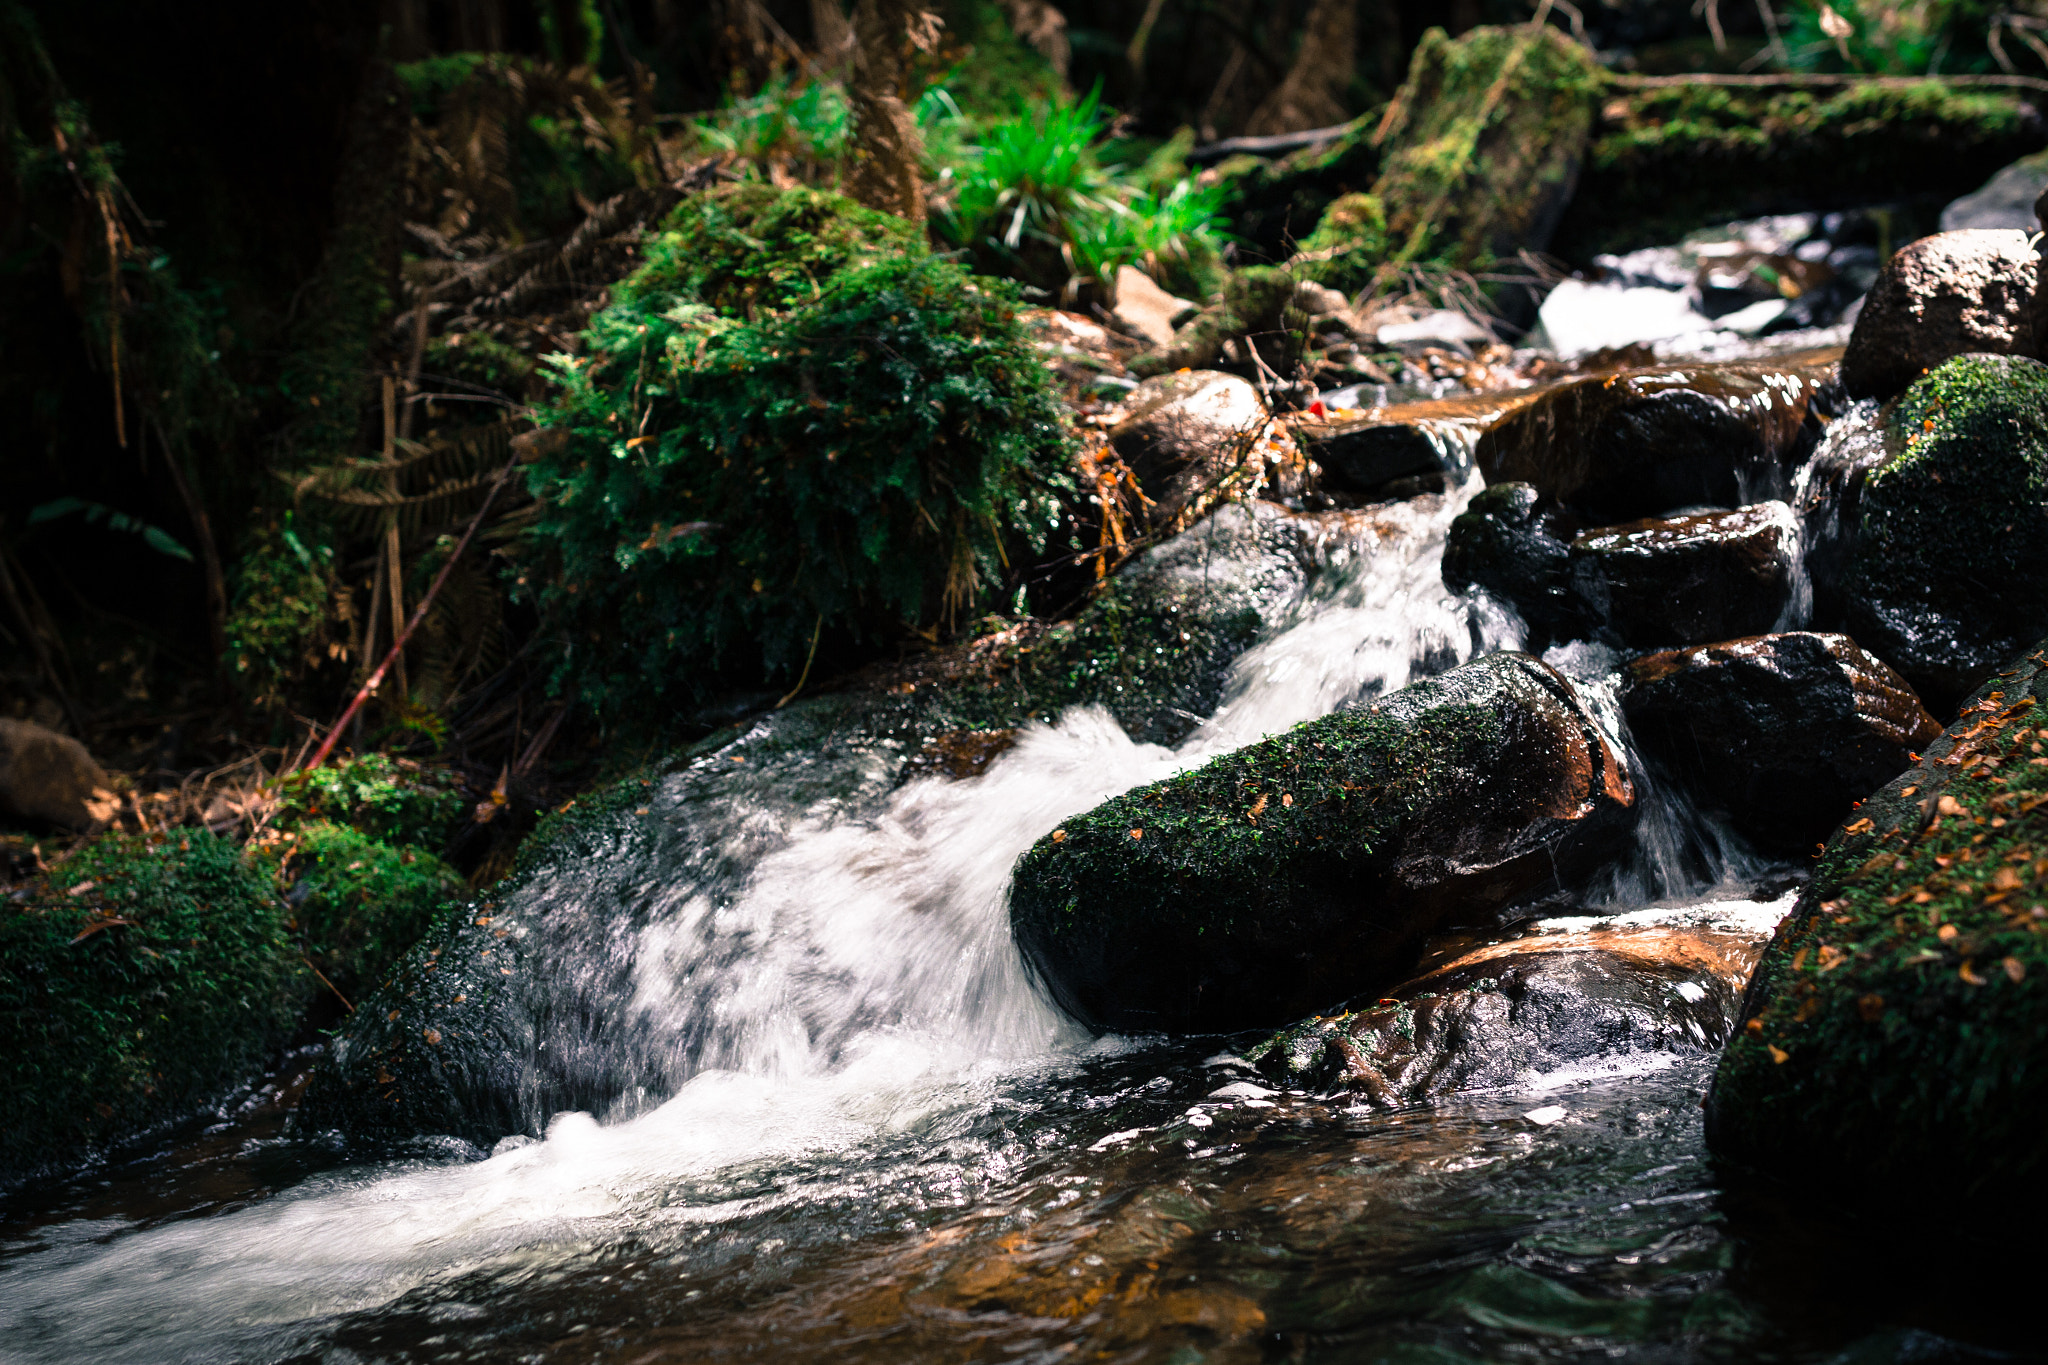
(783,451)
(144,977)
(361,903)
(1666,161)
(394,800)
(1894,1057)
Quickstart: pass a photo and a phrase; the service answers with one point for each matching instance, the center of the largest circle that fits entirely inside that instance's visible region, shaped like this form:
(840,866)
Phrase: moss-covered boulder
(1893,1058)
(361,903)
(1281,878)
(394,800)
(1947,576)
(142,979)
(1481,148)
(1634,445)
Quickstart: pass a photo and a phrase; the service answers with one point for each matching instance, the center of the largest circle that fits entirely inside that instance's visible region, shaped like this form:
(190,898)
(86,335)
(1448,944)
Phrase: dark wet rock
(1618,447)
(1682,580)
(1955,293)
(1946,573)
(1508,1011)
(50,778)
(1297,871)
(1783,732)
(1368,453)
(1516,544)
(1895,1035)
(1185,434)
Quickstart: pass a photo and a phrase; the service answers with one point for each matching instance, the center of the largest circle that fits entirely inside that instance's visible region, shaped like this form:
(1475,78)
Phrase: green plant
(1034,201)
(787,120)
(852,466)
(1925,37)
(360,902)
(389,799)
(149,976)
(286,606)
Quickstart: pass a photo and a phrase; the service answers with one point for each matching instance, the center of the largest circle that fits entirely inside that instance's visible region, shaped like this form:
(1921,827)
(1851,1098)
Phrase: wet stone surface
(1688,579)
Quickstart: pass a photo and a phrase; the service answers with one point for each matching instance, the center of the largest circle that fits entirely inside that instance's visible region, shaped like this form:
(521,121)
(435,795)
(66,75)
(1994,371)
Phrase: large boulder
(1552,997)
(1185,435)
(1684,580)
(1951,294)
(1946,573)
(1783,732)
(50,778)
(1287,875)
(1637,445)
(1895,1036)
(1516,544)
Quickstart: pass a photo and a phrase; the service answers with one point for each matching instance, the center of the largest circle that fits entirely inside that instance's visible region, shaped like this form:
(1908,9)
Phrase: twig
(419,614)
(325,982)
(804,677)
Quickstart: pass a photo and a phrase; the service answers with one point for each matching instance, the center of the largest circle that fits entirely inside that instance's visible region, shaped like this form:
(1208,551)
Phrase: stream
(864,1135)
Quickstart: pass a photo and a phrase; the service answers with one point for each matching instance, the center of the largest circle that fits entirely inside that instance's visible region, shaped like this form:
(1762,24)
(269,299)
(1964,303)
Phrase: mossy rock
(1276,204)
(1947,576)
(392,800)
(144,978)
(1348,245)
(1666,160)
(1256,303)
(361,903)
(1893,1058)
(1483,145)
(1282,877)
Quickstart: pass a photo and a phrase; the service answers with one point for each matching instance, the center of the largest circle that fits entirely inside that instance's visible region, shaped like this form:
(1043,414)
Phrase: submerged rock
(50,778)
(1955,293)
(1502,1013)
(1682,580)
(1516,544)
(1294,872)
(1783,732)
(1946,574)
(1895,1036)
(1636,445)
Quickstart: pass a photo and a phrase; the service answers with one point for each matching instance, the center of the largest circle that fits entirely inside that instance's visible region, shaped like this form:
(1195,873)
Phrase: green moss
(361,903)
(1348,245)
(1948,576)
(860,465)
(393,800)
(1668,160)
(758,248)
(1275,204)
(1895,1045)
(1484,145)
(281,624)
(143,978)
(1255,303)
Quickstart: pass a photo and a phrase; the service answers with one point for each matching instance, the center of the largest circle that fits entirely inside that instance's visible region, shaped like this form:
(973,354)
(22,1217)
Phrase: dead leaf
(1778,1054)
(2015,970)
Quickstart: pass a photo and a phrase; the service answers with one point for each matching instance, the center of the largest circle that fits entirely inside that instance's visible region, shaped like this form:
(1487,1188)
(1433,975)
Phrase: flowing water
(876,1141)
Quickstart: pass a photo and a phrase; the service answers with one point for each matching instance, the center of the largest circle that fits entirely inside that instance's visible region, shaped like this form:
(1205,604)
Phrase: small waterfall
(856,986)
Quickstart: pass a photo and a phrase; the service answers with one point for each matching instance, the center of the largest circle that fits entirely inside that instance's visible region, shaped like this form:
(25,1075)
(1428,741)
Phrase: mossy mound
(1275,204)
(1667,159)
(1348,245)
(1894,1047)
(361,903)
(1282,877)
(1948,574)
(143,978)
(393,800)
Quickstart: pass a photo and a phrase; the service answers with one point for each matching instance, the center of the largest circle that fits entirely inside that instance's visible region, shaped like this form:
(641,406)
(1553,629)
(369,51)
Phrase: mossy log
(1670,155)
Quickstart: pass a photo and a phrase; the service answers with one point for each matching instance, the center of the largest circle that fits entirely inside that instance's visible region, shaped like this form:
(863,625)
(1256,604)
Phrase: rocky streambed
(1321,948)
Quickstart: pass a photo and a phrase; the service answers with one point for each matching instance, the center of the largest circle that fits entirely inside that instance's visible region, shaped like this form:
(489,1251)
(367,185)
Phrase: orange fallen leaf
(1778,1054)
(2015,970)
(1059,836)
(1969,976)
(1137,834)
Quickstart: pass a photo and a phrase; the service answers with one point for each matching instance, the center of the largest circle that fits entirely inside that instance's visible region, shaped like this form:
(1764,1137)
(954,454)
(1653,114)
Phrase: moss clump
(1895,1036)
(1483,146)
(1348,245)
(145,977)
(1286,875)
(1256,303)
(361,903)
(1948,574)
(393,800)
(1670,159)
(758,249)
(1274,204)
(737,491)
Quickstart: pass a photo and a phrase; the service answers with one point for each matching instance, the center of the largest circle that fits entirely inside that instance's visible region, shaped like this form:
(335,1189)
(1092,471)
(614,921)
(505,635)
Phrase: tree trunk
(887,146)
